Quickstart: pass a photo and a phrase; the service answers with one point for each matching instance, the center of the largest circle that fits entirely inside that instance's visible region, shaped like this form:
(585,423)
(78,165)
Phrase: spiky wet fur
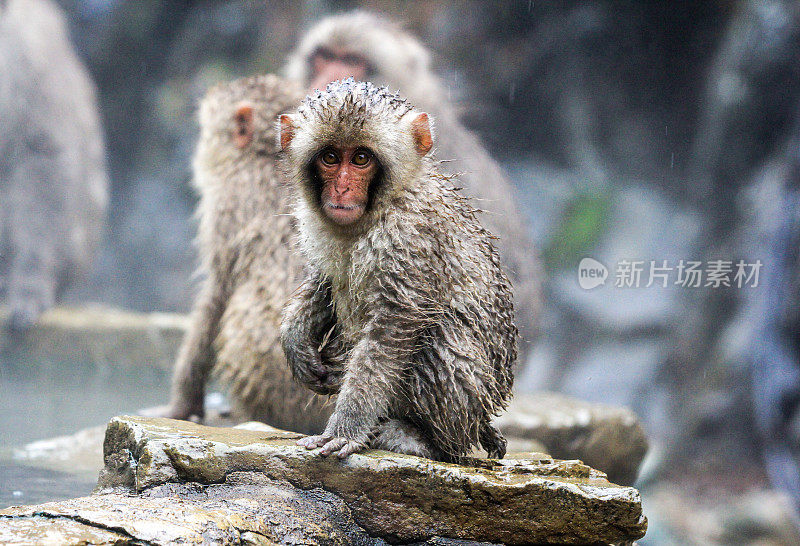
(419,300)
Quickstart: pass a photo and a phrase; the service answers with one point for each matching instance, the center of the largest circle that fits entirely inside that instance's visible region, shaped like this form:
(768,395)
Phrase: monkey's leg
(399,437)
(31,285)
(34,233)
(196,355)
(493,441)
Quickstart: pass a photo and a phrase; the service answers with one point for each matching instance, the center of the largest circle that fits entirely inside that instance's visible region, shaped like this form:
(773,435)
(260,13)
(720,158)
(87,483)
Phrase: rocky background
(633,130)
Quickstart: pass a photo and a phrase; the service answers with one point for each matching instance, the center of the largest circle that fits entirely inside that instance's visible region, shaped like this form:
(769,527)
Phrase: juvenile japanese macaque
(249,260)
(53,185)
(404,287)
(368,47)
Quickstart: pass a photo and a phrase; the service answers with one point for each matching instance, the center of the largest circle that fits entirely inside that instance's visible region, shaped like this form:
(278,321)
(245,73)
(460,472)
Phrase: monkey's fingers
(335,444)
(349,448)
(313,442)
(342,446)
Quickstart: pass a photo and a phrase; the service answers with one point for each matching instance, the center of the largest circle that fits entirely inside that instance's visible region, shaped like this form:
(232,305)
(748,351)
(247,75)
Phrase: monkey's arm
(196,355)
(374,369)
(307,324)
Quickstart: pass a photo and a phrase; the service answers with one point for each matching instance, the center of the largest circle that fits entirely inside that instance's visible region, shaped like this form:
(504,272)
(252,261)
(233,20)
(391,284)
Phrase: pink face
(328,65)
(346,175)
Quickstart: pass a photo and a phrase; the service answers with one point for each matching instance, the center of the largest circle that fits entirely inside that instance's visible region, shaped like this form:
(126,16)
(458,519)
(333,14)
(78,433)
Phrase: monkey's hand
(306,319)
(329,444)
(312,372)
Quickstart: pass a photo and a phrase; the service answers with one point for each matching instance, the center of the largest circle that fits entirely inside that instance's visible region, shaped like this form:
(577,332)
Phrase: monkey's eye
(324,53)
(361,158)
(329,157)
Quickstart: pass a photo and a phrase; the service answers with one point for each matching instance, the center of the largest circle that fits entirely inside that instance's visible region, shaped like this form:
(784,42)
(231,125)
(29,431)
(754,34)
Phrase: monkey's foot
(181,413)
(342,446)
(184,411)
(23,317)
(493,442)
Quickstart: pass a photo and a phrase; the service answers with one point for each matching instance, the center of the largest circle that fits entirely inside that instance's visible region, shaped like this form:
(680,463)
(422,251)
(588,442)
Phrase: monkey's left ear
(243,119)
(421,131)
(287,131)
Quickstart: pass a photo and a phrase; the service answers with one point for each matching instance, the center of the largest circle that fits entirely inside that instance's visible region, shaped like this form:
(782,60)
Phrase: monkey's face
(328,64)
(351,149)
(345,176)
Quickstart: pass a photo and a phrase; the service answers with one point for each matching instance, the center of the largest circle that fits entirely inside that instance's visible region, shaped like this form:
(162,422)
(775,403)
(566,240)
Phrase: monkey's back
(247,236)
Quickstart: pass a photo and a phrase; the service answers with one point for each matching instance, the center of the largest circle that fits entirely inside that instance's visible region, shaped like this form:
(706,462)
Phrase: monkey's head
(239,117)
(362,45)
(351,147)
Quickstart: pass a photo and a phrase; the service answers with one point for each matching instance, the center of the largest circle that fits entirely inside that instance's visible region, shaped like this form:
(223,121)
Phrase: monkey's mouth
(343,214)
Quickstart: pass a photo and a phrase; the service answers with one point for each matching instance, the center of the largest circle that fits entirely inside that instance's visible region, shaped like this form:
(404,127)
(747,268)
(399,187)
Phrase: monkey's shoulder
(438,219)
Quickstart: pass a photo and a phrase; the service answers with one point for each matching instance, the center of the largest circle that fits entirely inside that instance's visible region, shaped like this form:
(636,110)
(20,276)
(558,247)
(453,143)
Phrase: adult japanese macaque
(53,184)
(405,308)
(249,261)
(368,47)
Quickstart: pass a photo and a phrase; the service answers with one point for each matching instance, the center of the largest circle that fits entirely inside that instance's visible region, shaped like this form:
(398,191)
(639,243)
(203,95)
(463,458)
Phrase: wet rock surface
(395,497)
(248,508)
(608,438)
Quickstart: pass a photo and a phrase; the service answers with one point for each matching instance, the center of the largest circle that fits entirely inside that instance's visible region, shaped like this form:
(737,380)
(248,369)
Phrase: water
(42,398)
(27,485)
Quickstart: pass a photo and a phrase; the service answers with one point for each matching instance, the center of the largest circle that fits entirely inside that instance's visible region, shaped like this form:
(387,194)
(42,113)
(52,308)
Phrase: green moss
(584,221)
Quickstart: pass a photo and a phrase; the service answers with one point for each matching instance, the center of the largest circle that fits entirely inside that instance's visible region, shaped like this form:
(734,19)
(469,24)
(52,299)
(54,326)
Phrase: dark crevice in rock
(89,523)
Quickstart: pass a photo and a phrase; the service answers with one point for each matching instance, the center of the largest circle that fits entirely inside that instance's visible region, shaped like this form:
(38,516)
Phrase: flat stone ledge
(609,438)
(396,497)
(101,335)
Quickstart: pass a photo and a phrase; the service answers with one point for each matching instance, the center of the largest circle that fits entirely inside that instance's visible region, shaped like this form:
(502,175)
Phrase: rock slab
(99,335)
(396,497)
(247,509)
(609,438)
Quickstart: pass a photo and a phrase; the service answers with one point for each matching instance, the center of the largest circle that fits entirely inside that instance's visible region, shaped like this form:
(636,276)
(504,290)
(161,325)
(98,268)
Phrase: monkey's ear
(287,131)
(421,131)
(244,126)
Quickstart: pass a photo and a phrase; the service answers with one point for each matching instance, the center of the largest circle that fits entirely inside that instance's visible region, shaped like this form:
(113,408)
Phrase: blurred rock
(640,226)
(605,437)
(79,454)
(101,335)
(397,497)
(618,372)
(757,517)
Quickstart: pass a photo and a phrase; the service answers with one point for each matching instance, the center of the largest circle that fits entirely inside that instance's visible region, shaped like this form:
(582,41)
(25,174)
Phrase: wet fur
(421,309)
